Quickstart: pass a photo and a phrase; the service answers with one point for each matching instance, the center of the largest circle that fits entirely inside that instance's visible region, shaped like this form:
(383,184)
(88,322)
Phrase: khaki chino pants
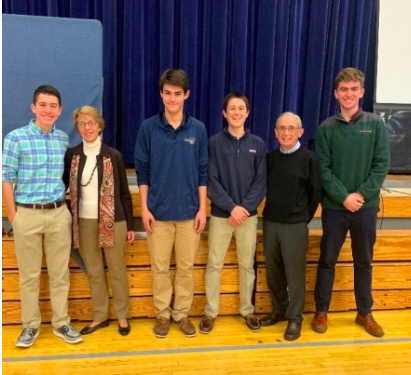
(181,235)
(219,238)
(92,255)
(32,228)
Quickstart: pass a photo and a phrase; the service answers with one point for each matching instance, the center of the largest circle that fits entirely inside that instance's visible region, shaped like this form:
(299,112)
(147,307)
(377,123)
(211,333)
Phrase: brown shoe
(271,319)
(370,325)
(319,323)
(186,327)
(161,327)
(252,322)
(293,331)
(206,324)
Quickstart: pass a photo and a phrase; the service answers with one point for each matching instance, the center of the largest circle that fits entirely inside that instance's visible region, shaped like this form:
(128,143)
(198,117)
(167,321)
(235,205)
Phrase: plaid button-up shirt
(34,161)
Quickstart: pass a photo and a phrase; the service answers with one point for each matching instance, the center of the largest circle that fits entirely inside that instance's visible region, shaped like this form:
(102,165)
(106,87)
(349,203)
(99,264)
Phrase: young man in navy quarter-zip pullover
(236,187)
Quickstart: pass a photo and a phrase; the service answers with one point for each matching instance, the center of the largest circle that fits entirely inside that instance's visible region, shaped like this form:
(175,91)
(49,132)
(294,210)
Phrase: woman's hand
(130,236)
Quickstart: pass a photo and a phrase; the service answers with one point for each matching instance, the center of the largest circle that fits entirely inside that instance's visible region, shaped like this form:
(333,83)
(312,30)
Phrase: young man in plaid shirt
(33,160)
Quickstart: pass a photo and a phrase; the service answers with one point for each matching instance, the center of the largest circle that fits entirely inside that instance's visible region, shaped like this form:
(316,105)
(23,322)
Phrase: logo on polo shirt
(252,150)
(190,140)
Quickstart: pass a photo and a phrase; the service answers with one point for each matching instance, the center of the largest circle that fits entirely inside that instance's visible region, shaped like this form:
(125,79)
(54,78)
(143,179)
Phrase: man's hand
(231,221)
(10,215)
(148,221)
(354,202)
(8,197)
(238,216)
(200,221)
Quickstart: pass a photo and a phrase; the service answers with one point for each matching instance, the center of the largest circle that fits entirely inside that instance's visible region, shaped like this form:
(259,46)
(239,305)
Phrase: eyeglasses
(90,124)
(291,129)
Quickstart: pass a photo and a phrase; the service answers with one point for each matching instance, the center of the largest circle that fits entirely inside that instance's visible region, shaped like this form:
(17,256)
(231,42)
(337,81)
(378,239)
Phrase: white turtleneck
(88,206)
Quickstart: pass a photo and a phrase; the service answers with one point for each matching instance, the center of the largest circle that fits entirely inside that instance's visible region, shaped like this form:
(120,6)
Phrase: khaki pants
(92,255)
(219,238)
(182,235)
(32,229)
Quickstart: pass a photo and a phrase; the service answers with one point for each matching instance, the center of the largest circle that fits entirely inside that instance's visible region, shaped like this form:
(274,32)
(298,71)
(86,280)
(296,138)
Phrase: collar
(293,149)
(94,146)
(354,116)
(37,130)
(165,123)
(229,135)
(104,150)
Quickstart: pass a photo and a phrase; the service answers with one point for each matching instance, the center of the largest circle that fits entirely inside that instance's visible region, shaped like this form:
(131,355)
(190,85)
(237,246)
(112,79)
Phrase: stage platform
(395,186)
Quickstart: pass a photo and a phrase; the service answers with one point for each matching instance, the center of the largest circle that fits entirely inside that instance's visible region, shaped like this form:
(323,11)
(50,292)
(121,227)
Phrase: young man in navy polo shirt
(171,162)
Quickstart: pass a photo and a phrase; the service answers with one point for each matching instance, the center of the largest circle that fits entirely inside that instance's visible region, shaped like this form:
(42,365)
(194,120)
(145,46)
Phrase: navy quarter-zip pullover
(237,172)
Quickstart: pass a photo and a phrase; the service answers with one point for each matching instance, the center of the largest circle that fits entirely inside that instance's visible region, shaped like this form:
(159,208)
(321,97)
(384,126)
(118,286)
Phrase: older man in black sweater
(293,195)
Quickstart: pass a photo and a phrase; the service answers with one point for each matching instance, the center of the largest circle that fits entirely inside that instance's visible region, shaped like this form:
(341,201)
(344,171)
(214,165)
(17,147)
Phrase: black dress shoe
(87,329)
(124,331)
(293,331)
(271,319)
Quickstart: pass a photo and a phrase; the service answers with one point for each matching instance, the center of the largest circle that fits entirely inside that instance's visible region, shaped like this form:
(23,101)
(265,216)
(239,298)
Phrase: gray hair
(300,124)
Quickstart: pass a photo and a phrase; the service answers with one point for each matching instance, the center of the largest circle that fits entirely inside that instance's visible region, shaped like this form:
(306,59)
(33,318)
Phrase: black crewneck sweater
(293,186)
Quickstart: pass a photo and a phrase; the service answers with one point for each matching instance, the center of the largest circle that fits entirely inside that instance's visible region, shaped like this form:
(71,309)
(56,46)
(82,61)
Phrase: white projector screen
(393,81)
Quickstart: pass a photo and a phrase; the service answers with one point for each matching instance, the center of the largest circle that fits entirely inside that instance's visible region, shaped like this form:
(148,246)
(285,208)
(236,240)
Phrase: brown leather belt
(42,206)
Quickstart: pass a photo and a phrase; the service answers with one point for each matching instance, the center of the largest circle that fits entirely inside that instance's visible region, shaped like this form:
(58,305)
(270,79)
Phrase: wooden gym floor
(230,349)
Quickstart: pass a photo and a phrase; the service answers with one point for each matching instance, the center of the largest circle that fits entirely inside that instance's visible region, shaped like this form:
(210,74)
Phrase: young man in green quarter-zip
(354,155)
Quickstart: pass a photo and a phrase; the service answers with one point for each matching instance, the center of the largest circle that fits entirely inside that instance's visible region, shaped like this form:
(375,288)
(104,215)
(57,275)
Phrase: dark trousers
(336,224)
(285,247)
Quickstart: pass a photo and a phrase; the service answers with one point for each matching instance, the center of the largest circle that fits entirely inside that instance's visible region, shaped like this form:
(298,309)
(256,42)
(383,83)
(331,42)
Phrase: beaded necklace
(90,146)
(91,176)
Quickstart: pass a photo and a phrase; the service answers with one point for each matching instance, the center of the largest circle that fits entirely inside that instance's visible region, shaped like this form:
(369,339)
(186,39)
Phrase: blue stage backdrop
(65,53)
(283,54)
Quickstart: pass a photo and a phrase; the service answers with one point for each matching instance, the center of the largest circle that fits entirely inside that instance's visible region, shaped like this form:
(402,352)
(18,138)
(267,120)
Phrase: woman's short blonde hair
(88,110)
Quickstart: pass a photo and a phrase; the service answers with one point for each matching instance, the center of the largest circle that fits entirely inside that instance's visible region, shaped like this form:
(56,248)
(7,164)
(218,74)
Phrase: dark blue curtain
(283,54)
